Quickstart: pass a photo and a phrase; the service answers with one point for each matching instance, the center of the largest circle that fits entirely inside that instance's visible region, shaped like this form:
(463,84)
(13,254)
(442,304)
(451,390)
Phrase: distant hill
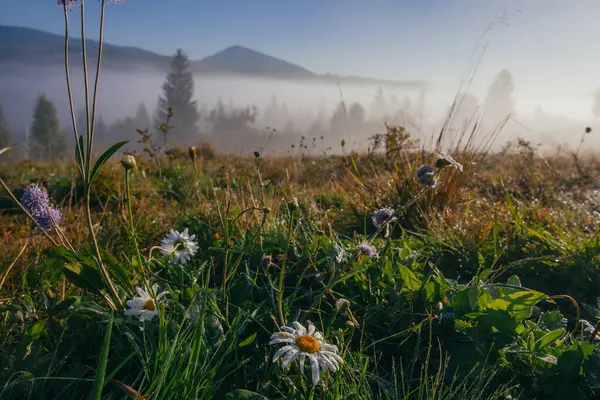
(19,45)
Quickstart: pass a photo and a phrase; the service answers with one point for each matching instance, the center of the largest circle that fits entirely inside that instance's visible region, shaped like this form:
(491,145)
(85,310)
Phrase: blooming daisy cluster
(300,344)
(179,245)
(36,201)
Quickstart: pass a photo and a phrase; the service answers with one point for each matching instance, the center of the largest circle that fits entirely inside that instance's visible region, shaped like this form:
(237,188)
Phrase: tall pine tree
(49,142)
(5,138)
(178,93)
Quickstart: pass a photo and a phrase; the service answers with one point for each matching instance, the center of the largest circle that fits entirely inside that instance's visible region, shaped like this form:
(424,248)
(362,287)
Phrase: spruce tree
(499,103)
(142,119)
(49,142)
(178,93)
(5,138)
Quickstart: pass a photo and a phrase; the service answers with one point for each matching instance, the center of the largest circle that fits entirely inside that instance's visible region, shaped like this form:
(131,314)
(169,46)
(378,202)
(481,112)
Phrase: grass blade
(101,371)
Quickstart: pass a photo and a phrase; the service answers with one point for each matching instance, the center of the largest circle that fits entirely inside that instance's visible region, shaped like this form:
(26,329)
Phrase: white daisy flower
(143,305)
(302,343)
(180,244)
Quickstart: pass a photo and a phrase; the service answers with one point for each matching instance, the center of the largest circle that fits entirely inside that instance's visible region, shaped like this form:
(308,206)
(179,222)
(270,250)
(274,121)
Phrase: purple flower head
(49,219)
(35,199)
(367,249)
(426,175)
(382,215)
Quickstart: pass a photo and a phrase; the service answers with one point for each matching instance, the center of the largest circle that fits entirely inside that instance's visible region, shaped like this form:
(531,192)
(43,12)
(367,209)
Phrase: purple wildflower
(447,314)
(426,175)
(49,219)
(36,201)
(367,249)
(382,215)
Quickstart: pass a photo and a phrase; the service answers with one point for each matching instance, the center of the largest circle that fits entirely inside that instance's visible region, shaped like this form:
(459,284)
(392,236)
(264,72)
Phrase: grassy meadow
(474,288)
(402,273)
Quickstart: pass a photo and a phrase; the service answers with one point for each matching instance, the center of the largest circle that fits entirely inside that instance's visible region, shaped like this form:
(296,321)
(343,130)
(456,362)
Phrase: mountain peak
(240,59)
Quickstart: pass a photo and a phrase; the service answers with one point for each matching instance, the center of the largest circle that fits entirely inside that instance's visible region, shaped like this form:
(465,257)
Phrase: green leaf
(499,320)
(466,300)
(62,306)
(552,320)
(519,304)
(409,278)
(549,338)
(84,276)
(243,394)
(101,371)
(60,253)
(117,271)
(104,158)
(513,281)
(432,291)
(38,329)
(248,341)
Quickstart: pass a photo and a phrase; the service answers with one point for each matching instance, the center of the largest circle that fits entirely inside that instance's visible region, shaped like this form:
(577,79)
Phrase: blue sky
(543,41)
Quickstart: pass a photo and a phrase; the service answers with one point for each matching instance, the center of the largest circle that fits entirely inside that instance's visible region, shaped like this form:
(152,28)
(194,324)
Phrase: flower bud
(342,305)
(128,161)
(192,151)
(293,204)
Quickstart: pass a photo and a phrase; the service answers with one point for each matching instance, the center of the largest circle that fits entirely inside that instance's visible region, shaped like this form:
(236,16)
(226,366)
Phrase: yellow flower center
(149,305)
(308,344)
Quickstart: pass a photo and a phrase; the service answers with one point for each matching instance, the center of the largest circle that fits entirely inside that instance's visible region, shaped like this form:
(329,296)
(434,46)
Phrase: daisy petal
(333,355)
(301,361)
(290,357)
(298,326)
(283,340)
(329,347)
(288,329)
(282,351)
(314,365)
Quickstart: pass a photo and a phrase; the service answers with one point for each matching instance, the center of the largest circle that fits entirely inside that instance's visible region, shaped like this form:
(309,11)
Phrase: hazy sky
(544,43)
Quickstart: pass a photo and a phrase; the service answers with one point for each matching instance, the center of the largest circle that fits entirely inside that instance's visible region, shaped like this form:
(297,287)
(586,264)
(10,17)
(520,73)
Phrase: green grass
(475,292)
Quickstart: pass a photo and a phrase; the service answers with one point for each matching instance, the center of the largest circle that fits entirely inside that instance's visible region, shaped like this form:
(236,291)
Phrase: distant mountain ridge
(21,45)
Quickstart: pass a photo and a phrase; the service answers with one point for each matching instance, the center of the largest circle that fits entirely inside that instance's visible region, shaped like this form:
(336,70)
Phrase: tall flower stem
(132,229)
(78,149)
(97,80)
(89,135)
(283,265)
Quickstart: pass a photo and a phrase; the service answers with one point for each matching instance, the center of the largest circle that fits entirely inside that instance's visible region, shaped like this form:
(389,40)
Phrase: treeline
(230,127)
